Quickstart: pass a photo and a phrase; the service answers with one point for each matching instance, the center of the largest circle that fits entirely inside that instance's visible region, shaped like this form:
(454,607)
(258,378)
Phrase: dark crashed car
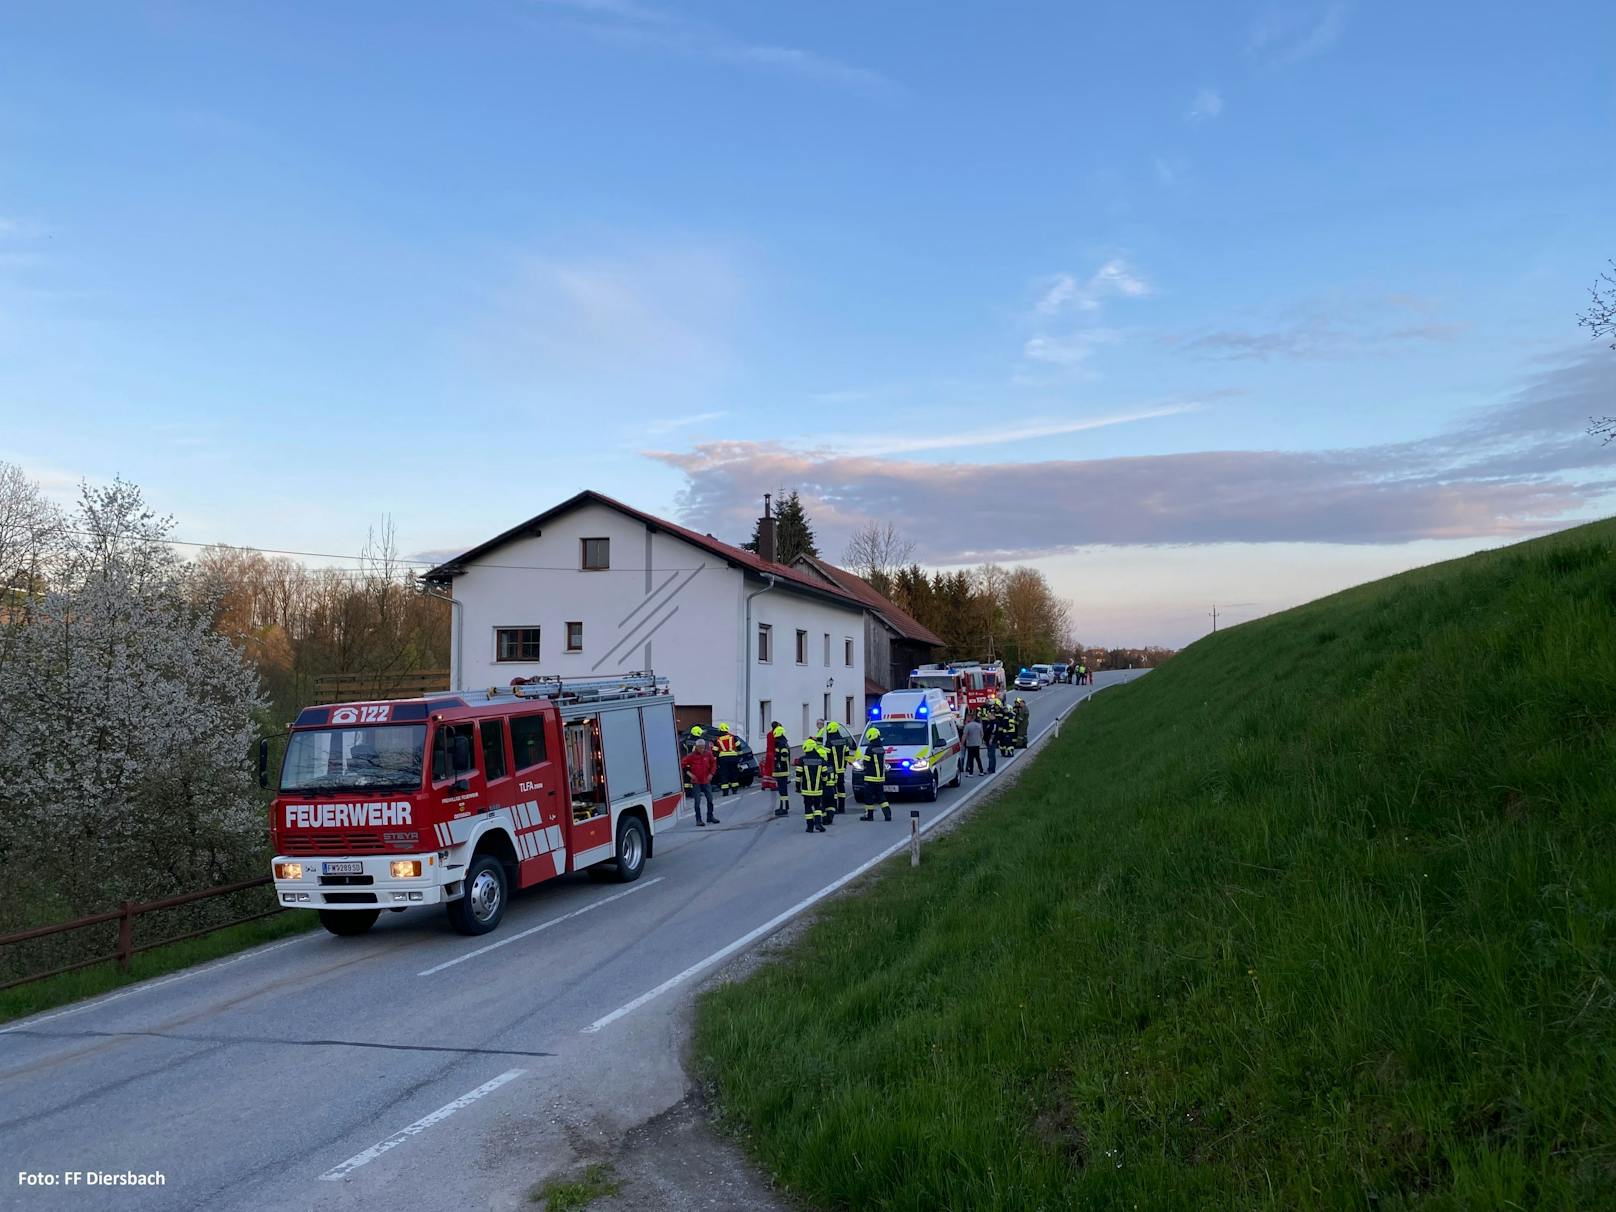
(710,734)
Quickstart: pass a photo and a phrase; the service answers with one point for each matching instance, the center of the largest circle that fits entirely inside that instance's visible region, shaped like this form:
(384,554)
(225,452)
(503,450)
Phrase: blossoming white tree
(126,724)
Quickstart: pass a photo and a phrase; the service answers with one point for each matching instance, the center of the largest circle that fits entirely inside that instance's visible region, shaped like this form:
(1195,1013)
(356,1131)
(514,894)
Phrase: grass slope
(1320,914)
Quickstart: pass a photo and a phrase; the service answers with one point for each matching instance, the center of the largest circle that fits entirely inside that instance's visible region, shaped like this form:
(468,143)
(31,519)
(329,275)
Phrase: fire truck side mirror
(263,761)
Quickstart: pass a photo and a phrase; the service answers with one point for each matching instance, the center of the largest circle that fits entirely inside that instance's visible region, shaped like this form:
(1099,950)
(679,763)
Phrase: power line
(371,559)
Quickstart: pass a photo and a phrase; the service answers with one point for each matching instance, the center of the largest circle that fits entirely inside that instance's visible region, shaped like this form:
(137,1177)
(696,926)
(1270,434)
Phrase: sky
(1184,304)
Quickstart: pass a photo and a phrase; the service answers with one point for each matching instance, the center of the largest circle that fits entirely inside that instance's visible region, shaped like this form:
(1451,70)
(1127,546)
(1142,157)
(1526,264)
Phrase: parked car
(1061,669)
(1046,674)
(1028,680)
(709,733)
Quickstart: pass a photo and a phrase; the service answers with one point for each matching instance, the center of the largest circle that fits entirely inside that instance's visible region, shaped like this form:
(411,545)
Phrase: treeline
(134,686)
(297,624)
(991,612)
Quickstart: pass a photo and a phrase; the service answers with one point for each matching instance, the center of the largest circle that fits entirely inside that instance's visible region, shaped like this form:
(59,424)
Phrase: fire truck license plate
(342,868)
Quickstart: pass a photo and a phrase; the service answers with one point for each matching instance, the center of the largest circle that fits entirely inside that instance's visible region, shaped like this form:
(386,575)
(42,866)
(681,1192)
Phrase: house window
(824,708)
(516,644)
(827,650)
(765,643)
(847,652)
(575,637)
(802,647)
(597,554)
(765,714)
(847,710)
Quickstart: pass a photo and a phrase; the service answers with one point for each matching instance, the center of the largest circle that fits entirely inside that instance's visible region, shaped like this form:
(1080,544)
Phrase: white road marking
(554,921)
(419,1126)
(147,986)
(780,919)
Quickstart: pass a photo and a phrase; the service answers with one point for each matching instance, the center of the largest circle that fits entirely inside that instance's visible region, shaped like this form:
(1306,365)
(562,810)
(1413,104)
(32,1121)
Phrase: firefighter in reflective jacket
(1022,713)
(838,744)
(782,768)
(875,776)
(729,761)
(813,772)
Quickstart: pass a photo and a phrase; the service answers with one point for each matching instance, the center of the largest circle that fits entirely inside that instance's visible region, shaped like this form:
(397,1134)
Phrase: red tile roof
(855,586)
(747,561)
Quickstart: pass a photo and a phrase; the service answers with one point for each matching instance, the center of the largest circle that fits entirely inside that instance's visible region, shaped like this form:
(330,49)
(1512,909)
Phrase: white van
(1046,674)
(921,735)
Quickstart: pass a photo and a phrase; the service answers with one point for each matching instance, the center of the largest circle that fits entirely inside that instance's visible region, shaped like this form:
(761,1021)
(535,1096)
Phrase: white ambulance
(921,736)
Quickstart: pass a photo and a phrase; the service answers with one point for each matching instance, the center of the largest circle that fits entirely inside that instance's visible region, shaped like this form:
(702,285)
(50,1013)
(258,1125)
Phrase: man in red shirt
(699,767)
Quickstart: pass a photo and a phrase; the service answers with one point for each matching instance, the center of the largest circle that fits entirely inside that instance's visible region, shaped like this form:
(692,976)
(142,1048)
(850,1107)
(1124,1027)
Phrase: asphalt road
(414,1067)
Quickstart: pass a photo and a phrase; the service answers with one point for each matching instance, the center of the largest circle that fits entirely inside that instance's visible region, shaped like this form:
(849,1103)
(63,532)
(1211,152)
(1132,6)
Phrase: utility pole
(1214,618)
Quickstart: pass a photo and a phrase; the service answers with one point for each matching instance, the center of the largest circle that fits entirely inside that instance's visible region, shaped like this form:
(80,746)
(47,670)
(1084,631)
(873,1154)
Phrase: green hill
(1322,913)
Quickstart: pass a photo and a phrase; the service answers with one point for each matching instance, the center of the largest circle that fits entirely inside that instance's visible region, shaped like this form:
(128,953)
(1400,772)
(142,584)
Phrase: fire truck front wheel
(482,905)
(348,922)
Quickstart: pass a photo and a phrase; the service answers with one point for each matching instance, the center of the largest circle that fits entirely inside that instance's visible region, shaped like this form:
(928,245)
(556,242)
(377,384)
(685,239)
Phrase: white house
(594,587)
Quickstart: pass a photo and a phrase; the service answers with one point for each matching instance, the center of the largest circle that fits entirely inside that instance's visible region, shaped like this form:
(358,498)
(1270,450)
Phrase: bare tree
(32,535)
(1600,321)
(876,551)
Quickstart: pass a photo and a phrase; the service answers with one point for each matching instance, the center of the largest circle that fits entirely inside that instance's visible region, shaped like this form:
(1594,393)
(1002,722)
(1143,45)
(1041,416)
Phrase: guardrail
(125,916)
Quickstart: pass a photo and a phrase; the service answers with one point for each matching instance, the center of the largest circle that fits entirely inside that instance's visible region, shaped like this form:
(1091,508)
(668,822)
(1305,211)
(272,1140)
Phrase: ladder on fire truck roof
(565,691)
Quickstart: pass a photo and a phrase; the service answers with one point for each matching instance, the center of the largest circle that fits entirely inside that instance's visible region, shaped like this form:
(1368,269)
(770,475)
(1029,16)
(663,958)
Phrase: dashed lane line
(346,1168)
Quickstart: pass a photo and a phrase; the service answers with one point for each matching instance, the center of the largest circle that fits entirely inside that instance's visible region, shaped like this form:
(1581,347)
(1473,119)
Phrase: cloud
(1064,318)
(1062,291)
(1170,170)
(1207,105)
(630,22)
(1284,36)
(633,316)
(1337,329)
(1516,469)
(1072,349)
(976,439)
(673,423)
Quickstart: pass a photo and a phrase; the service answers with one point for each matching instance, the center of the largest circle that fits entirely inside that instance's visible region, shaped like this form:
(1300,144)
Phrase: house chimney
(766,532)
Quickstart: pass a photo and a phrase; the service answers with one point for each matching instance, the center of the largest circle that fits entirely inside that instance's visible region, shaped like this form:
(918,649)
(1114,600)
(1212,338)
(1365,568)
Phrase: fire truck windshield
(932,681)
(385,757)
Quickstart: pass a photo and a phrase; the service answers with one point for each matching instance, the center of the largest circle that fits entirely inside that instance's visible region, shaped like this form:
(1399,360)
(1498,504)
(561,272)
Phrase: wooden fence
(125,916)
(368,687)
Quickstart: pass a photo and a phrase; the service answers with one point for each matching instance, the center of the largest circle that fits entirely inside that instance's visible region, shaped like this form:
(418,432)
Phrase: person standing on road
(972,737)
(990,732)
(782,768)
(1023,712)
(812,770)
(875,776)
(699,766)
(729,762)
(838,747)
(1007,732)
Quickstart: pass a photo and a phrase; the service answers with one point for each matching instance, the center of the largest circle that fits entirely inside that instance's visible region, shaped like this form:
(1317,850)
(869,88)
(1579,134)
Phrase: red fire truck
(460,798)
(967,684)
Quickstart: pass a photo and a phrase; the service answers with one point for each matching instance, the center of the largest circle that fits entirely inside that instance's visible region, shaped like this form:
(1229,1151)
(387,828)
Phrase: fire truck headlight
(406,869)
(288,871)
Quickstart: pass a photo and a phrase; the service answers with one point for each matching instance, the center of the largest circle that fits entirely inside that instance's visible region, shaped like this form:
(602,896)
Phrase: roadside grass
(1320,914)
(569,1194)
(160,961)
